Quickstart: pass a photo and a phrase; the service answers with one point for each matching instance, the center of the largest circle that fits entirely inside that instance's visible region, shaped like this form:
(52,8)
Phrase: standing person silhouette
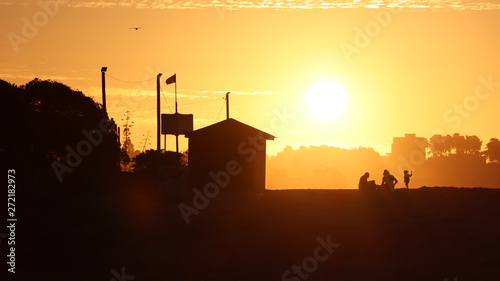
(407,177)
(388,181)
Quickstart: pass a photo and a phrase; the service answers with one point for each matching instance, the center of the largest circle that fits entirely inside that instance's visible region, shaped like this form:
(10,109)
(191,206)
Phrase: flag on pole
(171,79)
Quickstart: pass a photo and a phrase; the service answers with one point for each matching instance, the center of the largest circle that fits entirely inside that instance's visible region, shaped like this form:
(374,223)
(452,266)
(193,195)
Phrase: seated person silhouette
(365,184)
(388,181)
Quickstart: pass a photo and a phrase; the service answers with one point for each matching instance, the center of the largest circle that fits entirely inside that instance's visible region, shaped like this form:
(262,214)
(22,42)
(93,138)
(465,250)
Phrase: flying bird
(137,28)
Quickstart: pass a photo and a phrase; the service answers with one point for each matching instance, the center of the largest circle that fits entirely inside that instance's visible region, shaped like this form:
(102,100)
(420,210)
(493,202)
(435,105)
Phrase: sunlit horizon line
(275,5)
(382,150)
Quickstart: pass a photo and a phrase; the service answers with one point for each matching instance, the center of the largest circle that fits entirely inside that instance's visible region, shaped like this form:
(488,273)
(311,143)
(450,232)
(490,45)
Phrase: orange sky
(420,71)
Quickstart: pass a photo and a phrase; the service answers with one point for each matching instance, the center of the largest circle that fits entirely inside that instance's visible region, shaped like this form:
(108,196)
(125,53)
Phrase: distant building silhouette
(230,154)
(409,147)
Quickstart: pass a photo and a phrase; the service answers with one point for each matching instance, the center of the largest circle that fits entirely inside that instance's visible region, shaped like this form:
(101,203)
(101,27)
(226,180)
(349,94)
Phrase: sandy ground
(133,232)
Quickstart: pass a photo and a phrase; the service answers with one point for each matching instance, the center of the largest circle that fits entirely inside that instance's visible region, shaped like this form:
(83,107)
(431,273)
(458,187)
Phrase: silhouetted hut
(230,154)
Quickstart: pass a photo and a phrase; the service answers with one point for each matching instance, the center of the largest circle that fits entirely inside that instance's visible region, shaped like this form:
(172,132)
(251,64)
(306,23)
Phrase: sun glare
(327,101)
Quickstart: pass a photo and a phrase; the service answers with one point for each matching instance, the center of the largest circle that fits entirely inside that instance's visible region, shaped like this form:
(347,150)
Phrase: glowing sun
(327,101)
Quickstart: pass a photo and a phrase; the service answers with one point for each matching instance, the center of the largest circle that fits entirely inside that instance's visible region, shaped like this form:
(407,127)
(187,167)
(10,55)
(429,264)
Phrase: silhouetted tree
(441,145)
(150,161)
(493,150)
(456,144)
(127,151)
(472,145)
(124,158)
(14,136)
(185,157)
(466,144)
(45,121)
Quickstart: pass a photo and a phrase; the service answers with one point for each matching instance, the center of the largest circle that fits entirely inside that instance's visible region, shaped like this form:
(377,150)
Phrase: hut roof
(228,127)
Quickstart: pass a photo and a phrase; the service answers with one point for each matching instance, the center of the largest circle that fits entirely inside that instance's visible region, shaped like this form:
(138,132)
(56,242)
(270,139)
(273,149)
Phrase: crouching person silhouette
(365,184)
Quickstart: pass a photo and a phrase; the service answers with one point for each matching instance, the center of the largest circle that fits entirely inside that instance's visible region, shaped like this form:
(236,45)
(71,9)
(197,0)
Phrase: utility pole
(227,105)
(176,112)
(158,113)
(103,79)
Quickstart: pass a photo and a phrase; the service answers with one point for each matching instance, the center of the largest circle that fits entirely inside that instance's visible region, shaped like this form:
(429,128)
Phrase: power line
(166,101)
(124,81)
(218,114)
(133,110)
(163,94)
(201,101)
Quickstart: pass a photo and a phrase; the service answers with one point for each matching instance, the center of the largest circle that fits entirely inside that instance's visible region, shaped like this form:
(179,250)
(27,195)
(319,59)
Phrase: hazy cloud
(28,77)
(270,4)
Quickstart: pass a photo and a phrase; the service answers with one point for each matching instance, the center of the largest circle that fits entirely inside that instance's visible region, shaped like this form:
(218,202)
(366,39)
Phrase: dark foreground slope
(134,231)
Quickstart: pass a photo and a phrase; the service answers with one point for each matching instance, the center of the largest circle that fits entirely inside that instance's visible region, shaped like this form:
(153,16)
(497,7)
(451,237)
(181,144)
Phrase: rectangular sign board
(176,124)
